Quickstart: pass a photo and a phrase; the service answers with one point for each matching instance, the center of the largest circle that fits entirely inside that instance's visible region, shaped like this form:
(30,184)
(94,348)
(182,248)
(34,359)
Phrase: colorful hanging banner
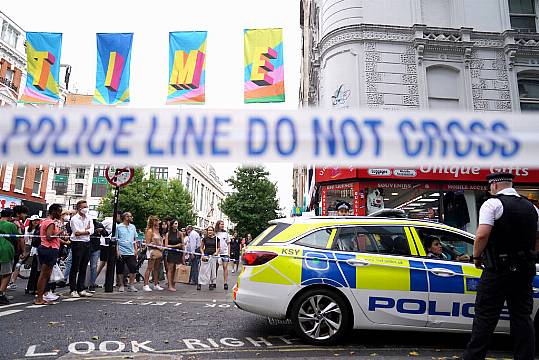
(264,70)
(113,68)
(187,67)
(43,52)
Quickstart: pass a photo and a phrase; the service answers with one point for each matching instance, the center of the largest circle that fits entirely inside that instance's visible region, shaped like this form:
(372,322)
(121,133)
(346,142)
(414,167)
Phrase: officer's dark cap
(500,177)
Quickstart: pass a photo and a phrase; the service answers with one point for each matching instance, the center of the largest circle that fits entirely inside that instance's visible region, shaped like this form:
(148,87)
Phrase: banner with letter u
(43,52)
(264,69)
(187,67)
(113,68)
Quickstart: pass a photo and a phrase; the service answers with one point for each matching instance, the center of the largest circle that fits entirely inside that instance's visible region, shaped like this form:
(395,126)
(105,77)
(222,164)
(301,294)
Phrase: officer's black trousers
(493,289)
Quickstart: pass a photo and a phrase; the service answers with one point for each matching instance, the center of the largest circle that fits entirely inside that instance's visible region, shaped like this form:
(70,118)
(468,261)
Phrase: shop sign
(449,173)
(334,174)
(8,202)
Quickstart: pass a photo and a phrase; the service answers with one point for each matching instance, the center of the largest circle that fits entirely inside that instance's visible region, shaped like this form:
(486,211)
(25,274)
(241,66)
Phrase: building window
(59,186)
(528,90)
(36,188)
(188,183)
(522,15)
(100,186)
(19,179)
(180,175)
(159,173)
(81,173)
(99,171)
(443,88)
(79,188)
(9,34)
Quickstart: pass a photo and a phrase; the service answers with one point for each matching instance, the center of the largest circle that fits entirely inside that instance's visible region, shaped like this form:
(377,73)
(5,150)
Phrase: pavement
(190,324)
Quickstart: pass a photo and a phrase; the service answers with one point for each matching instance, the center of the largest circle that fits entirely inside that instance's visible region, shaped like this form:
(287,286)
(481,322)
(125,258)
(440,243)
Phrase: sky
(151,22)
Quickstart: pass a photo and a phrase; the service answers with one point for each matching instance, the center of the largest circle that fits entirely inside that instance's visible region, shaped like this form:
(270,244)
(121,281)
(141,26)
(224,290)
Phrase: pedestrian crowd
(60,249)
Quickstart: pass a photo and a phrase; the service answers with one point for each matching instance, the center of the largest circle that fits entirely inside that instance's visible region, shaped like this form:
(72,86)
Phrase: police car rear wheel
(320,316)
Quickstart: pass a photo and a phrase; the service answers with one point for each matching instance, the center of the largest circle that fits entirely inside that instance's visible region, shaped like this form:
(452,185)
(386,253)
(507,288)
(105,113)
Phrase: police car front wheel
(320,316)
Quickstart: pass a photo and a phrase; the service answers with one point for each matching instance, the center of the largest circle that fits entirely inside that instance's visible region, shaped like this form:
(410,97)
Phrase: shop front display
(451,194)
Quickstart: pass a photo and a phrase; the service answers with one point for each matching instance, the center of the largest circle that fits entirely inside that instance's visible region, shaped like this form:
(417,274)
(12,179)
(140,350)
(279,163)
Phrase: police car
(330,274)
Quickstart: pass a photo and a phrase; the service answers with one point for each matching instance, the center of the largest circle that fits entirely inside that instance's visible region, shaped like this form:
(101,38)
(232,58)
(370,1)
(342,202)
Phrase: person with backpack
(8,241)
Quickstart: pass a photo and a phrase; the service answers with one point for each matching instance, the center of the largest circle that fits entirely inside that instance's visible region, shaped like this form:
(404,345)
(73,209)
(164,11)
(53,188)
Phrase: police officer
(343,208)
(505,247)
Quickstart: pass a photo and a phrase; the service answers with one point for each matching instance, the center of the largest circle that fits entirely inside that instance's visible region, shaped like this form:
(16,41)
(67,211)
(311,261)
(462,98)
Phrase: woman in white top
(224,246)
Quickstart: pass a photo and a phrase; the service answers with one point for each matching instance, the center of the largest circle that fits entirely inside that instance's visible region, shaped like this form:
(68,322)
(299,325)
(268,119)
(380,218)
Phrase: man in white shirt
(505,247)
(81,229)
(193,246)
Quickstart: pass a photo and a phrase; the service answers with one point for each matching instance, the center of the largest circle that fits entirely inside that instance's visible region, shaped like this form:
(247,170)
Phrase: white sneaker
(158,288)
(121,289)
(50,297)
(75,294)
(12,287)
(85,293)
(146,288)
(131,288)
(233,271)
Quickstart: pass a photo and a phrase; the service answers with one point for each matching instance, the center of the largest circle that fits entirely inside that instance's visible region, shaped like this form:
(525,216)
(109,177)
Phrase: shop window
(19,179)
(389,240)
(522,14)
(159,173)
(318,239)
(528,91)
(443,88)
(455,247)
(36,187)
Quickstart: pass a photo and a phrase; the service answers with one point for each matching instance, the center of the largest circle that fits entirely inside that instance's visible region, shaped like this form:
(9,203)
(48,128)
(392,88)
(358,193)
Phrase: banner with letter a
(264,69)
(113,68)
(187,67)
(43,52)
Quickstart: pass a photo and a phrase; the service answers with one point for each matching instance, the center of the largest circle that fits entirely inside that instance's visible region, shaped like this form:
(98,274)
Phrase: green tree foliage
(148,196)
(254,201)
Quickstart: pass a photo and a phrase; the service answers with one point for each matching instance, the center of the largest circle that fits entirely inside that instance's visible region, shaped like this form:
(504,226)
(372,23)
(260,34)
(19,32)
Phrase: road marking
(9,312)
(11,305)
(35,306)
(71,299)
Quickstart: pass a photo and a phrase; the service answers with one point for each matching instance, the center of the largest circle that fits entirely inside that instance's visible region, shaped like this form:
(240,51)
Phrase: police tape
(124,136)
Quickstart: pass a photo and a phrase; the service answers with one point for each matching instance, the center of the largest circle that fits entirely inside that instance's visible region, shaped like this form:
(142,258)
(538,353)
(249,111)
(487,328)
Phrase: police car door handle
(443,272)
(356,262)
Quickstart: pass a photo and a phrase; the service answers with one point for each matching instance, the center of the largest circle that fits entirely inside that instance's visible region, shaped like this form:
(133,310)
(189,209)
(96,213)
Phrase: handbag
(56,274)
(156,254)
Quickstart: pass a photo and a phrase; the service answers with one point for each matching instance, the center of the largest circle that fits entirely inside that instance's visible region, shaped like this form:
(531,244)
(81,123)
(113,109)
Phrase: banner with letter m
(43,55)
(187,67)
(113,68)
(264,69)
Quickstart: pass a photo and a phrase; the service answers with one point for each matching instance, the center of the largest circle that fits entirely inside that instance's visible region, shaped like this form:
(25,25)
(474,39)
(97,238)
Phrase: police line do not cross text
(346,138)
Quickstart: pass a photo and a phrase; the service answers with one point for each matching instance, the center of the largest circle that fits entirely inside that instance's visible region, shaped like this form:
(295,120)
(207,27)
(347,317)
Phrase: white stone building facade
(422,54)
(470,55)
(12,60)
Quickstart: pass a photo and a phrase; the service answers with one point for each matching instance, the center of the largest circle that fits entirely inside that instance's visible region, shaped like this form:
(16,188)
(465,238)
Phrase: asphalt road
(190,324)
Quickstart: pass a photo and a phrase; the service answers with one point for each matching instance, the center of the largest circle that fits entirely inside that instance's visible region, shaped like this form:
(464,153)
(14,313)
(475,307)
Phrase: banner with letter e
(264,66)
(113,68)
(187,67)
(43,52)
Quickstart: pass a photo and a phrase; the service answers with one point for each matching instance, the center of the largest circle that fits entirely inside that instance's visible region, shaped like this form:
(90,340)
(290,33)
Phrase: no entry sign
(119,176)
